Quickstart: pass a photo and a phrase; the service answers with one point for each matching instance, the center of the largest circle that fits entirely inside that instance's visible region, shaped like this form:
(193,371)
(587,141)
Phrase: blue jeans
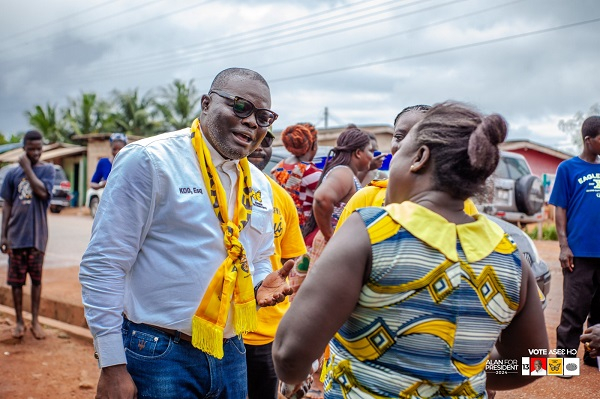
(165,367)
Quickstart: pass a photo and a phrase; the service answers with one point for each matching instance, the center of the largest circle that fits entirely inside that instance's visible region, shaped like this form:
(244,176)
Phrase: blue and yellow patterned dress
(437,298)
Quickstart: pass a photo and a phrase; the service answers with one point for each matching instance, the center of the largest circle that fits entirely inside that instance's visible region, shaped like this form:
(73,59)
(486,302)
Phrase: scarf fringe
(207,337)
(244,317)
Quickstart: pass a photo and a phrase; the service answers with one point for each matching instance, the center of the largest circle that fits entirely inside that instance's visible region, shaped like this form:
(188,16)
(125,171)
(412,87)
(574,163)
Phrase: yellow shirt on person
(288,244)
(374,195)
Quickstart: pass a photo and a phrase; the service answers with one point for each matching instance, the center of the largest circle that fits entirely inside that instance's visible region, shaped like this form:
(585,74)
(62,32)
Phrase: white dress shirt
(156,242)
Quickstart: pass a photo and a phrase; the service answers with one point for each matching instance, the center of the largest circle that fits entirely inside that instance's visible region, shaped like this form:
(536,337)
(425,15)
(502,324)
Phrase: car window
(516,168)
(502,169)
(60,175)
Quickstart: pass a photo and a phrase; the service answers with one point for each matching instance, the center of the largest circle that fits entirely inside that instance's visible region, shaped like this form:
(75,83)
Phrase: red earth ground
(63,366)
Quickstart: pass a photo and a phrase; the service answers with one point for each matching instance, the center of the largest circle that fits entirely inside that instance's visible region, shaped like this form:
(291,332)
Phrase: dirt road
(64,367)
(585,386)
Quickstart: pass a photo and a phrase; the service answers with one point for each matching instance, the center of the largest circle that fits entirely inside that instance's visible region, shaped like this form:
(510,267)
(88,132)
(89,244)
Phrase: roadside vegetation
(164,109)
(548,232)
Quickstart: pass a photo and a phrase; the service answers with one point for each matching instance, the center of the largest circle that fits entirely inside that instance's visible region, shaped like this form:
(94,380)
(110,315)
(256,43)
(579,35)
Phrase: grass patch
(548,233)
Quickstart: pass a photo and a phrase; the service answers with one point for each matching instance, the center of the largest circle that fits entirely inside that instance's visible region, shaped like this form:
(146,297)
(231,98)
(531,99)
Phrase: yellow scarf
(233,276)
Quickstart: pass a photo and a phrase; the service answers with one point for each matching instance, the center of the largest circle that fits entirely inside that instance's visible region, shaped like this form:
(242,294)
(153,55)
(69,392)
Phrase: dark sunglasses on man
(268,140)
(243,108)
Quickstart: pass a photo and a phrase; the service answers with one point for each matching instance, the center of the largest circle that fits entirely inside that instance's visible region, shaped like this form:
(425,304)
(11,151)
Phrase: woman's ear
(421,159)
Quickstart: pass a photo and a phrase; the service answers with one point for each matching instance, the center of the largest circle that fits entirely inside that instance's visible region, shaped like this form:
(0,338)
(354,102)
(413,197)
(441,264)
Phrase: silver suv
(515,194)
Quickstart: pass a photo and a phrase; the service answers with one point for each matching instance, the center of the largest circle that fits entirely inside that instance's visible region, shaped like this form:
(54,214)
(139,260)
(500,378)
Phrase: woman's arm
(527,330)
(335,188)
(327,298)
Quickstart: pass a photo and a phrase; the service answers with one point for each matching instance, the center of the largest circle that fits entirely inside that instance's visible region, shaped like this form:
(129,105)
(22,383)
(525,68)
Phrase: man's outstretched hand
(274,287)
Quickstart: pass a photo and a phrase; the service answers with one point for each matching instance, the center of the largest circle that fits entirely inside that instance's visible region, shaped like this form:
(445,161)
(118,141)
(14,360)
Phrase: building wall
(328,137)
(539,162)
(384,140)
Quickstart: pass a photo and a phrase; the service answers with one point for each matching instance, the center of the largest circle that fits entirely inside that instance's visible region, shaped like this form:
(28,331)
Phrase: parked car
(92,200)
(515,194)
(530,253)
(61,190)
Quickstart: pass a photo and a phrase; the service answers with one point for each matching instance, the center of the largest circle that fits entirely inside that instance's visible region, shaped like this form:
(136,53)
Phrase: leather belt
(172,333)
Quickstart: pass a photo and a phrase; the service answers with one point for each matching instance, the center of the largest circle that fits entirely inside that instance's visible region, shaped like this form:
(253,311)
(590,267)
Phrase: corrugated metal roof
(49,152)
(63,152)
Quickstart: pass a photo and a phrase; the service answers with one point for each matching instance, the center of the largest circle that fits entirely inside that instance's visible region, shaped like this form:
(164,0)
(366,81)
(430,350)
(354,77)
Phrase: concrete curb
(77,332)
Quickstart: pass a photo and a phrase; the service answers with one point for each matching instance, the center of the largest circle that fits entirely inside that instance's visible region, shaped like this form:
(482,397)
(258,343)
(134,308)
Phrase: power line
(440,51)
(161,54)
(235,41)
(87,24)
(189,60)
(389,36)
(38,27)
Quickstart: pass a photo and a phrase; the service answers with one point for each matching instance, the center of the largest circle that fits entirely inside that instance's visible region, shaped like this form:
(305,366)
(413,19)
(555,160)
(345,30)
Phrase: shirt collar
(478,239)
(217,159)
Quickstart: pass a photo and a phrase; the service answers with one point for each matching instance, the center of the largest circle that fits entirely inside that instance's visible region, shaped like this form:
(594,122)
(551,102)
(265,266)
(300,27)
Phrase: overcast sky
(533,61)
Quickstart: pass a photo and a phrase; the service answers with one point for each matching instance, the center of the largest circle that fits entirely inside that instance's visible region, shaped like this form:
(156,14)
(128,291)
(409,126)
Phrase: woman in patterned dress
(412,298)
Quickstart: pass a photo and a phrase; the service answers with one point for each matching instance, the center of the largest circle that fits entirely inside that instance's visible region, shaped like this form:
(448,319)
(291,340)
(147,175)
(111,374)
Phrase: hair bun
(495,128)
(483,143)
(297,139)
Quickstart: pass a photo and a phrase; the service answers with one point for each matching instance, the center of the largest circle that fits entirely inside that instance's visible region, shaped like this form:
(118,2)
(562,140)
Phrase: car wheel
(55,208)
(94,206)
(529,194)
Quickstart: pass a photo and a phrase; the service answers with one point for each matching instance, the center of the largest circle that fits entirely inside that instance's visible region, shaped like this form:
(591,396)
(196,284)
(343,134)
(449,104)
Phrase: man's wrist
(256,287)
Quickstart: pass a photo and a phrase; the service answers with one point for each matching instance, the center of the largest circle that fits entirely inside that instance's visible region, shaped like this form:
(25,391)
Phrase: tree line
(168,108)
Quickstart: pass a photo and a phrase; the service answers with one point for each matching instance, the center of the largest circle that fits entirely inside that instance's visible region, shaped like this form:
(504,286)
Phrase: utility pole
(326,117)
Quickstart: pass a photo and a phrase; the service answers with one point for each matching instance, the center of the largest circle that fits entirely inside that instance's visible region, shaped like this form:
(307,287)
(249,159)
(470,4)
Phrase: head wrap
(118,137)
(299,139)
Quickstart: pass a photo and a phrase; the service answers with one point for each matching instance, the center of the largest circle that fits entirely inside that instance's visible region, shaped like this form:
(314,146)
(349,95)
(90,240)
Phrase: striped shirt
(300,181)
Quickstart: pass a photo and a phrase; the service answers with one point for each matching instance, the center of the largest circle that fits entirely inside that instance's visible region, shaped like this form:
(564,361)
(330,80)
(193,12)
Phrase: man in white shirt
(183,223)
(537,368)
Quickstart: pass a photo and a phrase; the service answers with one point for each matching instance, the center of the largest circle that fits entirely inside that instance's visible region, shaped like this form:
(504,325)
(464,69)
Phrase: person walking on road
(27,190)
(180,252)
(576,196)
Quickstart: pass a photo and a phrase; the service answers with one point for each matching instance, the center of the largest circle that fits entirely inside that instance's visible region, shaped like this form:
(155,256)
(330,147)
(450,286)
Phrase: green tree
(14,138)
(572,126)
(179,104)
(134,114)
(46,122)
(87,115)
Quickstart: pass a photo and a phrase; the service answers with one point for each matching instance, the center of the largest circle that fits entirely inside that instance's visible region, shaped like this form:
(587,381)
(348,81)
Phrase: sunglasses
(243,108)
(268,140)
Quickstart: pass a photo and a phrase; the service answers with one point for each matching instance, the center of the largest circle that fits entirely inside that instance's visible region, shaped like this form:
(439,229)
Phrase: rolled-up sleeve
(120,227)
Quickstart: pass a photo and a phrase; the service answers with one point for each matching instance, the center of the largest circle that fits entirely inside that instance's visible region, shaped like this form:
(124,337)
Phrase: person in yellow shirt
(289,244)
(374,193)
